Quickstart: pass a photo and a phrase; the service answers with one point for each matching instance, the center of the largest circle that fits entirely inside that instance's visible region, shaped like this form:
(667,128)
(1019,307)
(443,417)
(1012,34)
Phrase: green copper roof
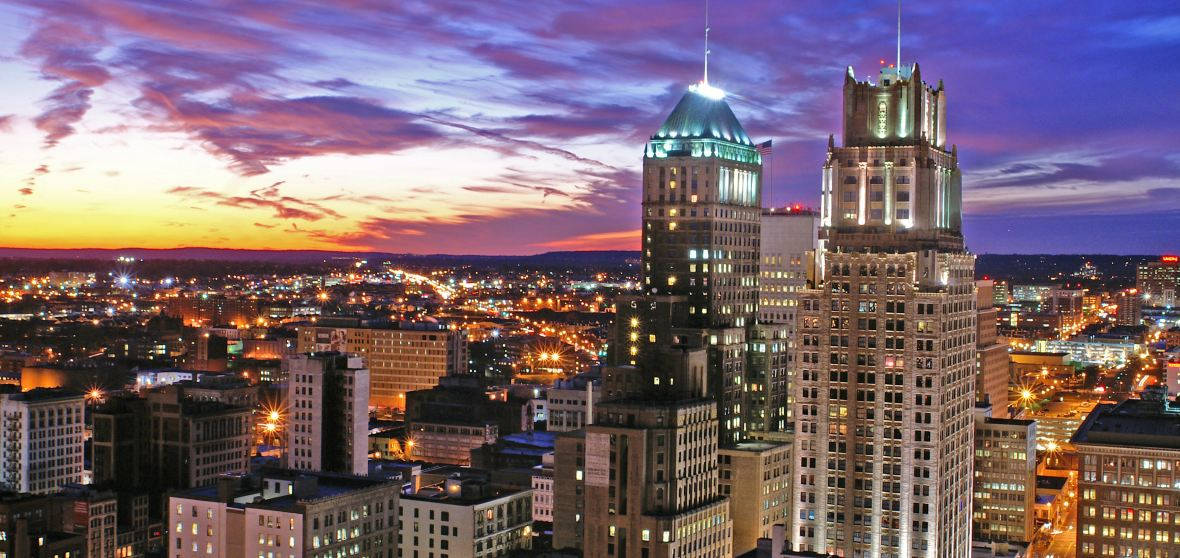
(703,113)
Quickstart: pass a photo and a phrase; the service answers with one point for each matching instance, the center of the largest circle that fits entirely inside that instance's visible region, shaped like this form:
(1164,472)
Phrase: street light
(94,395)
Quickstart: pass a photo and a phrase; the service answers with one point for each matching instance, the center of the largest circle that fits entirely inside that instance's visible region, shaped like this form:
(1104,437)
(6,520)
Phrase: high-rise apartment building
(1159,281)
(401,357)
(1005,483)
(885,348)
(327,413)
(1129,478)
(991,357)
(41,442)
(1130,307)
(789,241)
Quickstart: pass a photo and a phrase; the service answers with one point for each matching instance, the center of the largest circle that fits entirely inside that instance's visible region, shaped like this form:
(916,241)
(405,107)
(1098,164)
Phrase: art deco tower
(885,346)
(643,479)
(701,215)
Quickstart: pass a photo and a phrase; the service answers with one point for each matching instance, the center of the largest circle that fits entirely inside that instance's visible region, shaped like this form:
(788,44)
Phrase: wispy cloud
(514,124)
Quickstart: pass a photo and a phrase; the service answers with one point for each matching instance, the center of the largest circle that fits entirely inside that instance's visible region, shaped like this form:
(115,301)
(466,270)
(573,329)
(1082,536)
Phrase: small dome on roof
(703,113)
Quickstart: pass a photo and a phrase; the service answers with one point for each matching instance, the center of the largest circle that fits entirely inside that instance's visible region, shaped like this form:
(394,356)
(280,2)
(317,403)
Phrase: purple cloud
(65,51)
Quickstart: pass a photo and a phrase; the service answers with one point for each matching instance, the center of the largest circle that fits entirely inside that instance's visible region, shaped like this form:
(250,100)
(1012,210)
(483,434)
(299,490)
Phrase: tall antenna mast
(706,80)
(899,39)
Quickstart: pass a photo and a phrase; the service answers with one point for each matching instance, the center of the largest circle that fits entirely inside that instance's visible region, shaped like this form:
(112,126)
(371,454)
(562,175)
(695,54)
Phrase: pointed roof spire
(706,80)
(899,39)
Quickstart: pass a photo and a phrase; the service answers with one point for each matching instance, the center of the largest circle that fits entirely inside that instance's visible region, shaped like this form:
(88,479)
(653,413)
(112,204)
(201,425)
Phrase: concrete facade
(328,413)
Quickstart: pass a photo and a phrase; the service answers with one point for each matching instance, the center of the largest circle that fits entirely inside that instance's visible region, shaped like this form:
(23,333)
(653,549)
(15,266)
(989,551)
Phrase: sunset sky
(504,127)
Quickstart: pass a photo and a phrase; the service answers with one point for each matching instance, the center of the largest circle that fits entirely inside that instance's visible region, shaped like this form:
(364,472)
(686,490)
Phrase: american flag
(763,148)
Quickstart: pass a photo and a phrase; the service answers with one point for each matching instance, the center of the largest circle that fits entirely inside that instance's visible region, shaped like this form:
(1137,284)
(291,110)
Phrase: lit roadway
(443,290)
(1064,545)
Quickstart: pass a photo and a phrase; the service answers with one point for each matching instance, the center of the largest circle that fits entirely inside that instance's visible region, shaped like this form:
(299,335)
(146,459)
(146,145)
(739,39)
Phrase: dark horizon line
(49,253)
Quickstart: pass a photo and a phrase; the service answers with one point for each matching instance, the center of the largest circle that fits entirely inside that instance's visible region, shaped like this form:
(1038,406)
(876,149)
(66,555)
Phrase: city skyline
(461,129)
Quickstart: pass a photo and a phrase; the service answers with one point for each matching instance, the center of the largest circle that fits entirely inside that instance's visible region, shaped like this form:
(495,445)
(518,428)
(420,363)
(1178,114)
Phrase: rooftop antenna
(898,39)
(706,80)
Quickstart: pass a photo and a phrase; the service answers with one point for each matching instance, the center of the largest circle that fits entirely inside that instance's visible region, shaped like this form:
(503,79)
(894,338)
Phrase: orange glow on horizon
(619,240)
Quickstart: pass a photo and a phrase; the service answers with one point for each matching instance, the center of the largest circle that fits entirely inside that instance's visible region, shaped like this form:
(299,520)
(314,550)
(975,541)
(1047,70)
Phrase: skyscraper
(885,347)
(645,478)
(328,407)
(701,237)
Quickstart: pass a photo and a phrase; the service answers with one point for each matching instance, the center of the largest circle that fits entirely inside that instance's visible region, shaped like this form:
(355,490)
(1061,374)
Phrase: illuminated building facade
(465,517)
(702,178)
(279,512)
(327,413)
(991,358)
(41,439)
(1005,482)
(1129,479)
(789,241)
(207,310)
(756,476)
(1130,307)
(642,480)
(401,357)
(1159,281)
(885,345)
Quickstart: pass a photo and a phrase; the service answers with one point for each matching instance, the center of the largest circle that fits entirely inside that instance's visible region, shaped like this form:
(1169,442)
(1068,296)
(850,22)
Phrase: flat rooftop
(327,485)
(753,446)
(1134,423)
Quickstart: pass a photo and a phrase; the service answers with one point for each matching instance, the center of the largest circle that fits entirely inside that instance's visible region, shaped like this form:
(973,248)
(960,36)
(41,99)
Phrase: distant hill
(1017,267)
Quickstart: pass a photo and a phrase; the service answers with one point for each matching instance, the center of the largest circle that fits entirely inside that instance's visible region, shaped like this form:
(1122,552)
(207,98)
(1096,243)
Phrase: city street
(1061,545)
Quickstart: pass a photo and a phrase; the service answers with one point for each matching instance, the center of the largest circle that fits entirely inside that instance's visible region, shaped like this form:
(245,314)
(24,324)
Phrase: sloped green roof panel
(703,114)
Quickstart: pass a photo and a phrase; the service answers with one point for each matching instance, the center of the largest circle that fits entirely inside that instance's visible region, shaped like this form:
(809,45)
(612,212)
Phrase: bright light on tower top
(705,90)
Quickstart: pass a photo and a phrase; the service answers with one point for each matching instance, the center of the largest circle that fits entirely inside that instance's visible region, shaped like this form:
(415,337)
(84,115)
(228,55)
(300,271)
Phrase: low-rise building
(756,476)
(570,403)
(284,513)
(32,525)
(41,443)
(1058,418)
(468,518)
(1092,349)
(447,442)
